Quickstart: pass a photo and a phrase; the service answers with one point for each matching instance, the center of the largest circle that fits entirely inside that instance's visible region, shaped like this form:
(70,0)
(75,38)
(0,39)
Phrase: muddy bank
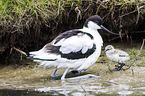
(29,26)
(129,82)
(31,78)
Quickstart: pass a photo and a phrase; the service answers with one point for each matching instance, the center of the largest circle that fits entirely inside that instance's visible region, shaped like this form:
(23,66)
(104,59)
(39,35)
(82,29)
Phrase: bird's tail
(36,55)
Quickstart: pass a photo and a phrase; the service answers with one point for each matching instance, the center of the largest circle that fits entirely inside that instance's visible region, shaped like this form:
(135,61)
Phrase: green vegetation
(17,15)
(29,24)
(20,14)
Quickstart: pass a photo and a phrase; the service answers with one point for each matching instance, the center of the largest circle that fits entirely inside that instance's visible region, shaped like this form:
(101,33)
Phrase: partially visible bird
(76,49)
(117,56)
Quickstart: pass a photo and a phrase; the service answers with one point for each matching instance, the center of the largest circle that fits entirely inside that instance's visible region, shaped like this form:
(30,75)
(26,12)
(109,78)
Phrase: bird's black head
(95,19)
(95,22)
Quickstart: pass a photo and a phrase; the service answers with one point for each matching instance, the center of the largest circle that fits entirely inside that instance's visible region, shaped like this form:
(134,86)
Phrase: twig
(22,52)
(127,13)
(84,89)
(136,55)
(116,37)
(142,46)
(138,8)
(109,67)
(78,13)
(138,14)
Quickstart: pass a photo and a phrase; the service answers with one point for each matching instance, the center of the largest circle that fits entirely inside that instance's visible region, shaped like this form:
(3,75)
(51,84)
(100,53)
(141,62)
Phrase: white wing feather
(72,44)
(75,44)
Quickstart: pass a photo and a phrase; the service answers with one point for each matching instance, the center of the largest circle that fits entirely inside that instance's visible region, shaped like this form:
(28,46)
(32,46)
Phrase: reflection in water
(74,86)
(7,92)
(84,87)
(79,87)
(65,92)
(92,87)
(116,83)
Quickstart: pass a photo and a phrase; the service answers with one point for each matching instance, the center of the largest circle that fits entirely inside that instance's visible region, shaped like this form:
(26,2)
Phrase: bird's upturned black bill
(109,30)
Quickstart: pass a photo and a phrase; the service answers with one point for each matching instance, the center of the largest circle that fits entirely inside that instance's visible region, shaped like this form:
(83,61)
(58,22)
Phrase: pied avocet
(76,49)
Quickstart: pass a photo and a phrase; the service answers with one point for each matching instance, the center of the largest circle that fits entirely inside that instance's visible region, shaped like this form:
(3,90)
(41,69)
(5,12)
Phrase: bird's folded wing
(69,45)
(73,46)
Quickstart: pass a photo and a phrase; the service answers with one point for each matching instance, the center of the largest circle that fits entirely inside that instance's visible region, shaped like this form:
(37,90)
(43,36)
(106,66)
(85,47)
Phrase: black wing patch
(79,54)
(71,55)
(70,33)
(52,49)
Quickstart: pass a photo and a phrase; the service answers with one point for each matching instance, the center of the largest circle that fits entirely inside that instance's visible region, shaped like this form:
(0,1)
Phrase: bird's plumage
(77,49)
(71,48)
(116,54)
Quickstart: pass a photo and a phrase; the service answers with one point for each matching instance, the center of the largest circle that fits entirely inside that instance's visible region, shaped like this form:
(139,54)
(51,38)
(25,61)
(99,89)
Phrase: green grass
(15,15)
(19,14)
(25,23)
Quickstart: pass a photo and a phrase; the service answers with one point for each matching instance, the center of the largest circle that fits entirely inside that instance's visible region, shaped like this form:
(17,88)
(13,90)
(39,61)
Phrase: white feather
(84,49)
(58,43)
(93,25)
(73,44)
(116,54)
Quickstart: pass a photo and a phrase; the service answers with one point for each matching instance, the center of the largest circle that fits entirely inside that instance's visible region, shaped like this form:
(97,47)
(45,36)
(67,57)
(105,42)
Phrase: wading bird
(75,49)
(117,56)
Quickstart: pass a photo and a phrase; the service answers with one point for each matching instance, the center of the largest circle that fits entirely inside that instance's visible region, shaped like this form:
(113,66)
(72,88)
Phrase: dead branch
(136,55)
(22,52)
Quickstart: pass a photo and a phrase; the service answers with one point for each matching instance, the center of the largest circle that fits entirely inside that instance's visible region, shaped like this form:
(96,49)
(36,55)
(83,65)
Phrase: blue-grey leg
(64,74)
(56,76)
(119,67)
(69,73)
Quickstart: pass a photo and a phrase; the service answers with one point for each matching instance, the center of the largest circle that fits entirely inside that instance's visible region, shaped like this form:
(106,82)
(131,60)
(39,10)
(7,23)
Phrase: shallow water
(31,80)
(118,83)
(129,82)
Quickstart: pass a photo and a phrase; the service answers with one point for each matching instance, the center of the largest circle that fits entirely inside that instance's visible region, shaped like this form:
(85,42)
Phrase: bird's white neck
(94,33)
(90,30)
(92,25)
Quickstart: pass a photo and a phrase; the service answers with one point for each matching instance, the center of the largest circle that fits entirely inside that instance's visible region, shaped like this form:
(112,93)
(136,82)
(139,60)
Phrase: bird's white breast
(99,43)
